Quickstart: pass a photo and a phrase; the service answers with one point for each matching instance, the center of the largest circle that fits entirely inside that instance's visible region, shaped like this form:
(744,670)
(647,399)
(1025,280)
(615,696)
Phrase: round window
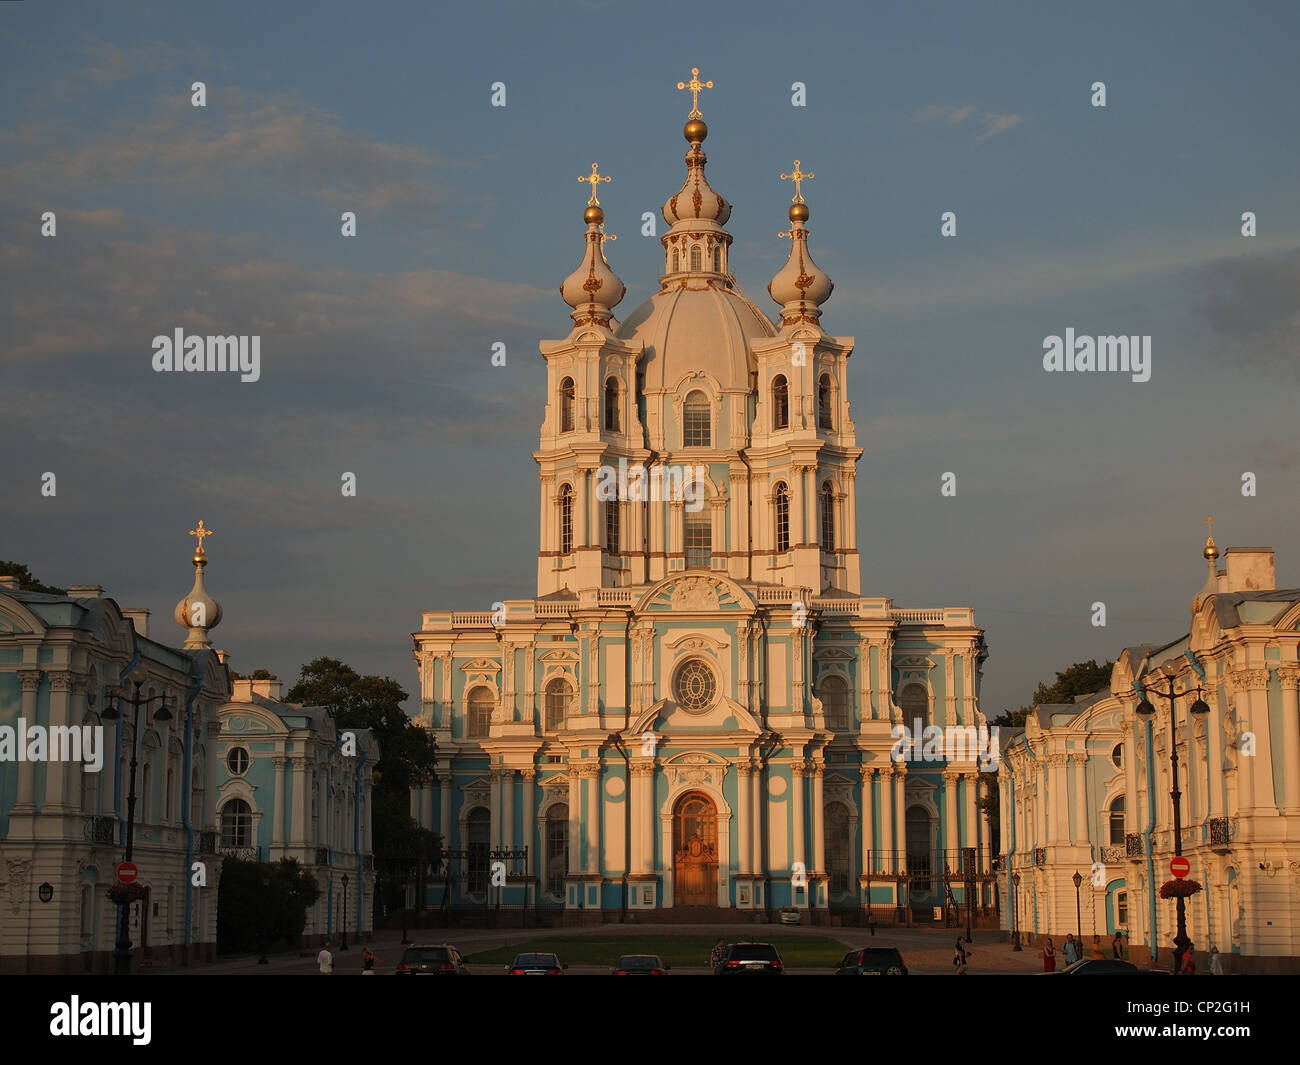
(237,760)
(695,686)
(1117,756)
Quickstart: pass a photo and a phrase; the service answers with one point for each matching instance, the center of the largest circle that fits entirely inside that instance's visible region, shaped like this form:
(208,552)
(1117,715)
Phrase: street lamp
(1078,922)
(1181,942)
(122,948)
(1015,912)
(343,938)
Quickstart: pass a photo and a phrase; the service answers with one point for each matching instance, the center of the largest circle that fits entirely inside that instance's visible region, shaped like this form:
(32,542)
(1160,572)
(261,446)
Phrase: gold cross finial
(798,177)
(593,179)
(604,237)
(200,532)
(695,85)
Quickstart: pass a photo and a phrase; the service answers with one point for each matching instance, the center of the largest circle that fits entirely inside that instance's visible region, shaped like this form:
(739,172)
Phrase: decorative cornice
(529,775)
(30,679)
(63,680)
(1289,675)
(1250,679)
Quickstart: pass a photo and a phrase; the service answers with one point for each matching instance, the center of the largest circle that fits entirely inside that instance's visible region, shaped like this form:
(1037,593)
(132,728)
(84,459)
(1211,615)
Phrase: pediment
(695,593)
(666,717)
(559,656)
(481,665)
(833,654)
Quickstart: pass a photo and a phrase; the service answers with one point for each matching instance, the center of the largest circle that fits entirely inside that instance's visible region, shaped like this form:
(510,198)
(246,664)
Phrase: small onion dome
(695,200)
(198,612)
(1211,585)
(593,290)
(800,286)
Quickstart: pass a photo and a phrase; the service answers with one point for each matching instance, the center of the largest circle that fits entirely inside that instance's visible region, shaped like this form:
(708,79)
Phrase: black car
(442,960)
(872,961)
(640,965)
(750,958)
(1099,967)
(535,965)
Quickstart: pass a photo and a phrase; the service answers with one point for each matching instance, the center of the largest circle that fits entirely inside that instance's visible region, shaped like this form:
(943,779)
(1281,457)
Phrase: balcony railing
(243,854)
(1112,855)
(1220,832)
(100,829)
(322,856)
(1040,855)
(1133,845)
(207,843)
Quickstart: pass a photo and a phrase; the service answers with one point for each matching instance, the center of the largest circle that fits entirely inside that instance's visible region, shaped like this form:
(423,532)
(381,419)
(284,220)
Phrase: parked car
(751,958)
(1099,967)
(440,960)
(640,965)
(535,965)
(872,961)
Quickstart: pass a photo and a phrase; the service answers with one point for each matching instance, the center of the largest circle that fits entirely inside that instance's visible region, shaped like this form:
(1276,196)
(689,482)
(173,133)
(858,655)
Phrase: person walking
(959,957)
(1070,948)
(1049,956)
(368,962)
(1188,965)
(871,922)
(717,955)
(1117,945)
(325,960)
(1216,962)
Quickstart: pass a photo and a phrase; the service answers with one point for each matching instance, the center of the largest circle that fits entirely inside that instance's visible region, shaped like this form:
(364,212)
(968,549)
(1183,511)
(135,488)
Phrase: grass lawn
(683,951)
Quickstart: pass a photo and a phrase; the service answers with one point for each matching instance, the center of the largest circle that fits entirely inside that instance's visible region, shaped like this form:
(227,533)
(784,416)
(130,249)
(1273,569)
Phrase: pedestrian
(871,922)
(325,959)
(1188,965)
(1097,953)
(959,957)
(1070,949)
(1216,962)
(1049,956)
(1117,945)
(368,962)
(718,955)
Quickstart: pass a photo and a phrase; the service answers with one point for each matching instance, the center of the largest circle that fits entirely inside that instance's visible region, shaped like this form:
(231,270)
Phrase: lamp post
(970,897)
(1147,710)
(122,948)
(1015,911)
(266,891)
(1078,920)
(343,937)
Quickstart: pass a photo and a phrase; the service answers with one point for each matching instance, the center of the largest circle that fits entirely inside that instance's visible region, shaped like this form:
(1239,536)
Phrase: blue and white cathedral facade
(696,709)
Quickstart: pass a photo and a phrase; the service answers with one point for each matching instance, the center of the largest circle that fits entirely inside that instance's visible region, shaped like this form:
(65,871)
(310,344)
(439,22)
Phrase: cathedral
(698,711)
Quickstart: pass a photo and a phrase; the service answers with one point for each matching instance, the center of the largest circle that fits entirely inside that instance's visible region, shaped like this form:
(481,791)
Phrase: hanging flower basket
(120,894)
(1179,889)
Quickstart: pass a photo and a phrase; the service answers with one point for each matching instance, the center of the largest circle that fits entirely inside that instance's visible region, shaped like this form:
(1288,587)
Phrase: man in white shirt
(325,959)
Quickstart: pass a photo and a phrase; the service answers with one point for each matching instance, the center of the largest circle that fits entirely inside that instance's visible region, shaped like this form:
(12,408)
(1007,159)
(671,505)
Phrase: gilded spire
(798,177)
(695,85)
(1210,554)
(593,289)
(198,612)
(200,532)
(593,179)
(800,286)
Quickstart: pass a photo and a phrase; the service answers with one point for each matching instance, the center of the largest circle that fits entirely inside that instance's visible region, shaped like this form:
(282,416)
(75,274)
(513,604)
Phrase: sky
(1071,488)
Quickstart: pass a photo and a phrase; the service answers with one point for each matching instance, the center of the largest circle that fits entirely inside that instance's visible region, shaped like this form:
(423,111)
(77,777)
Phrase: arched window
(695,256)
(677,260)
(838,847)
(477,841)
(824,419)
(566,519)
(698,537)
(1117,822)
(826,499)
(914,701)
(611,406)
(1121,909)
(478,714)
(557,704)
(611,526)
(568,404)
(717,259)
(782,517)
(236,824)
(695,421)
(780,403)
(834,694)
(557,848)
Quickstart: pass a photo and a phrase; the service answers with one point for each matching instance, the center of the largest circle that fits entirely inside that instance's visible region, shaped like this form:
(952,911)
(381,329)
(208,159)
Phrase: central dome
(700,326)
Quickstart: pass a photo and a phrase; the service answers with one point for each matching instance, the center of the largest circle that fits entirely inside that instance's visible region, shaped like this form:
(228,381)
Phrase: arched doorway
(695,844)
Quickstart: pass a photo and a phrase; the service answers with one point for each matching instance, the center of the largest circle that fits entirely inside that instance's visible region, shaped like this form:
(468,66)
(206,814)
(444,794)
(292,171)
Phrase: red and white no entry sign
(1180,867)
(127,872)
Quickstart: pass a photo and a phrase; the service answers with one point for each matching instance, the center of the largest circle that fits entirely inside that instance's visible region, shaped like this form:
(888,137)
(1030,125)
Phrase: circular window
(1117,756)
(237,760)
(695,686)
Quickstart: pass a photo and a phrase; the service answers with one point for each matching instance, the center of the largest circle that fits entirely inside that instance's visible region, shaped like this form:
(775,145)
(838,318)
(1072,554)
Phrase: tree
(407,753)
(261,905)
(26,582)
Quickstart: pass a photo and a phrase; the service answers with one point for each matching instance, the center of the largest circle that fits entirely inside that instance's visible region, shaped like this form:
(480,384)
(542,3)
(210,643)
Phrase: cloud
(994,123)
(1249,302)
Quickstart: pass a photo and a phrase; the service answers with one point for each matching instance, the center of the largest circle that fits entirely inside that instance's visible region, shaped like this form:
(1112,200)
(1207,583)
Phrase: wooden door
(696,847)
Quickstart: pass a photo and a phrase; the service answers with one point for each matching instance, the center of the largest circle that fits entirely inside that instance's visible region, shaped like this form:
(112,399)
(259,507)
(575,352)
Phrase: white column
(887,863)
(31,682)
(277,827)
(583,508)
(494,807)
(900,824)
(593,818)
(56,773)
(868,817)
(1134,735)
(744,795)
(1082,831)
(529,818)
(444,809)
(972,811)
(1214,733)
(508,809)
(298,814)
(575,820)
(796,812)
(818,818)
(1289,676)
(951,833)
(756,808)
(797,534)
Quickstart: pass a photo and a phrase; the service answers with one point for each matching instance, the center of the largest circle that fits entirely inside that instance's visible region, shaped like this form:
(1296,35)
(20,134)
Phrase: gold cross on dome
(1210,522)
(593,179)
(798,177)
(695,85)
(604,237)
(200,532)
